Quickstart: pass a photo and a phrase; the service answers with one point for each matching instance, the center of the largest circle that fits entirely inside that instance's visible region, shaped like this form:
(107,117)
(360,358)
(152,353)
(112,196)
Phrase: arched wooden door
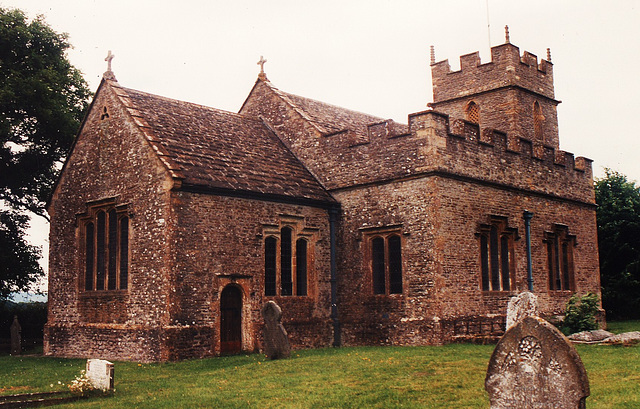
(231,320)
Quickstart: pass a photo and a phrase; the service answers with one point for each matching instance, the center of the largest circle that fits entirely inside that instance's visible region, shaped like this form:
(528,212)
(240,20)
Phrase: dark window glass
(495,265)
(550,263)
(484,261)
(286,282)
(395,265)
(124,253)
(565,266)
(100,250)
(113,250)
(270,248)
(377,265)
(504,257)
(89,256)
(556,264)
(301,267)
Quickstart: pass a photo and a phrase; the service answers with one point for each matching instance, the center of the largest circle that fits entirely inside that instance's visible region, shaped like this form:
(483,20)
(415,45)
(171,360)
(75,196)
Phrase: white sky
(367,55)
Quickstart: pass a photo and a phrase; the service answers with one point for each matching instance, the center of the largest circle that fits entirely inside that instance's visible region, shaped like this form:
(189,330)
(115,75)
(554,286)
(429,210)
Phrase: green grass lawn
(618,327)
(450,376)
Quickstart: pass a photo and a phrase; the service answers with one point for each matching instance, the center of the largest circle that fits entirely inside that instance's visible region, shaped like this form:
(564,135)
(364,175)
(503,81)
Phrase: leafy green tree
(619,244)
(42,101)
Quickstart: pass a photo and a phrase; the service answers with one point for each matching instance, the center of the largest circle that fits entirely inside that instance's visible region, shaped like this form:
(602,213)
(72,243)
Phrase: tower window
(473,112)
(538,121)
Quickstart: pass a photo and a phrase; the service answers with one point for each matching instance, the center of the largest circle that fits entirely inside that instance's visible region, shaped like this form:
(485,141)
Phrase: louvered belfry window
(473,112)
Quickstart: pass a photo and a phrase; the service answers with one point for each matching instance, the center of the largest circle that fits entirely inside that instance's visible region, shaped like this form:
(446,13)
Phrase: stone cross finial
(433,55)
(507,40)
(109,59)
(261,64)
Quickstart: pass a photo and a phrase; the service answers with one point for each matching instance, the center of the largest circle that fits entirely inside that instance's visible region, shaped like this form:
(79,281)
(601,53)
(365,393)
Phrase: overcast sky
(367,55)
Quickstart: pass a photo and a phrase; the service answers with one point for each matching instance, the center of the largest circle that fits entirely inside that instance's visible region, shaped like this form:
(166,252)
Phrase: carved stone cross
(109,59)
(261,64)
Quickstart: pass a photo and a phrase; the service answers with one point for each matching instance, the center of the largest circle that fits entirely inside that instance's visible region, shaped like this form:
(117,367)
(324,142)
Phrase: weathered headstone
(535,366)
(523,305)
(100,374)
(16,337)
(276,340)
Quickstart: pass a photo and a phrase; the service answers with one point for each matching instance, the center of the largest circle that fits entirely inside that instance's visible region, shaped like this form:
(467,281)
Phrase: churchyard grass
(618,327)
(451,376)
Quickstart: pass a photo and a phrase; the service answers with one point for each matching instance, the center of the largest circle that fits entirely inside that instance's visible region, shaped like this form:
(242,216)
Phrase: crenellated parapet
(506,68)
(513,92)
(464,148)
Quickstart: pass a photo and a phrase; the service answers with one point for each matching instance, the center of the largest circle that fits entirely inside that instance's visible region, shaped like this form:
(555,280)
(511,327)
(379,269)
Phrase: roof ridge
(379,118)
(180,101)
(285,97)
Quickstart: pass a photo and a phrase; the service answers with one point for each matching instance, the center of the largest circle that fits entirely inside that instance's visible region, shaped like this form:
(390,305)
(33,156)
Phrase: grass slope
(450,376)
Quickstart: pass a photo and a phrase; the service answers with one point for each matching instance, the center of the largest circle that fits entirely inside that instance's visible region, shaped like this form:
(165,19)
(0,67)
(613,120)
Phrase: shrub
(581,313)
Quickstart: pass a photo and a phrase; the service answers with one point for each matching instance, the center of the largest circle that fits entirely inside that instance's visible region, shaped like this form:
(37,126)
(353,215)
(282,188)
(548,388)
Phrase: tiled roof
(330,119)
(215,149)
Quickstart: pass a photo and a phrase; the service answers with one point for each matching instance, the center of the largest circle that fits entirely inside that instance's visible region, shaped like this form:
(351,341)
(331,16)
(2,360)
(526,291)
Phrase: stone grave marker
(523,305)
(16,337)
(276,340)
(535,366)
(100,374)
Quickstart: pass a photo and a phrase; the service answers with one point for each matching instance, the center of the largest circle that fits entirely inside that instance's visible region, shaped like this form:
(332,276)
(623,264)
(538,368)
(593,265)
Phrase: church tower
(511,93)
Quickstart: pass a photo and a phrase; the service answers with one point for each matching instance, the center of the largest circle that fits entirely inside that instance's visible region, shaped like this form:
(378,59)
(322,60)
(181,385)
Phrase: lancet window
(497,262)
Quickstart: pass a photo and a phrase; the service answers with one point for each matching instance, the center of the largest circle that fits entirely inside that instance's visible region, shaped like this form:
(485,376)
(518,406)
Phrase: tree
(42,101)
(618,217)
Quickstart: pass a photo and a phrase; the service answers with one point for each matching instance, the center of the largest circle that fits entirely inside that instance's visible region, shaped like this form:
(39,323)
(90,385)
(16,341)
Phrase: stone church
(173,223)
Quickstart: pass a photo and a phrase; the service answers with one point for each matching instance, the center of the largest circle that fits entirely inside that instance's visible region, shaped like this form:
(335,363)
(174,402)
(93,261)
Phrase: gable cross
(261,64)
(109,59)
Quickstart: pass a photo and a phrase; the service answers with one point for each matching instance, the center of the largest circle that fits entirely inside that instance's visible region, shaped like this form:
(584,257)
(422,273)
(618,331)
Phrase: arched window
(386,263)
(538,121)
(270,248)
(473,112)
(497,262)
(286,263)
(378,265)
(301,267)
(286,281)
(560,258)
(106,249)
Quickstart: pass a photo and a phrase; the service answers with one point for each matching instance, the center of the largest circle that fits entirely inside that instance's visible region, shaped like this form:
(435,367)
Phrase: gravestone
(523,305)
(16,337)
(535,366)
(100,374)
(276,340)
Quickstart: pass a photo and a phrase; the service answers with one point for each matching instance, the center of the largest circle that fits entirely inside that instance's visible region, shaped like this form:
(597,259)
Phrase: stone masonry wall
(219,241)
(110,160)
(442,298)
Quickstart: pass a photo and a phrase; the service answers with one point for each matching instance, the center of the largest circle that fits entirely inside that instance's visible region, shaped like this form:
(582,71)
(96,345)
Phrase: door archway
(231,320)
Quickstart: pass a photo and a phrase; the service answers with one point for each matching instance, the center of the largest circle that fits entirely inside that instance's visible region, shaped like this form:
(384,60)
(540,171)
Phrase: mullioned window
(497,262)
(105,247)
